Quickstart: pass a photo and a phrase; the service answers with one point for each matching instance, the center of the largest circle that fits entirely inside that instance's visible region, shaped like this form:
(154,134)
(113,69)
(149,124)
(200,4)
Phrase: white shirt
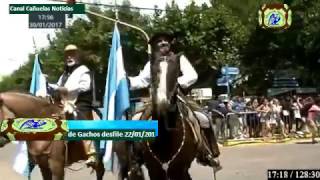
(79,81)
(189,75)
(296,110)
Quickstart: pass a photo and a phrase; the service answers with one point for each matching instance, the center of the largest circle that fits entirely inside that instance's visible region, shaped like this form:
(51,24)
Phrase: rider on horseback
(188,76)
(75,85)
(75,80)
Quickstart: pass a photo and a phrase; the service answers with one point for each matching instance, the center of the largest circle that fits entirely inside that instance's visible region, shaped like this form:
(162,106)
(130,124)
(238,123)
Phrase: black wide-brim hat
(158,35)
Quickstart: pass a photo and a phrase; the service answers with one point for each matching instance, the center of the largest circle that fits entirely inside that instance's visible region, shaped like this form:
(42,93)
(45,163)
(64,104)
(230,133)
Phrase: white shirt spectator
(296,110)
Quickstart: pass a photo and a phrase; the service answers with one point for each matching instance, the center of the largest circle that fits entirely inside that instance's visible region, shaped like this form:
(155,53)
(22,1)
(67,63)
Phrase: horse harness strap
(201,142)
(165,165)
(194,125)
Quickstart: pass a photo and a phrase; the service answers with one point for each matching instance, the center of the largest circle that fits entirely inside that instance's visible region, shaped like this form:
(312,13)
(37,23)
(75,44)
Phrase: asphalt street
(239,162)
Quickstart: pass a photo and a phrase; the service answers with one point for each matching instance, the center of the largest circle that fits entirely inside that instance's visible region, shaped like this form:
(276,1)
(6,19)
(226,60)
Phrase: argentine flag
(38,87)
(116,97)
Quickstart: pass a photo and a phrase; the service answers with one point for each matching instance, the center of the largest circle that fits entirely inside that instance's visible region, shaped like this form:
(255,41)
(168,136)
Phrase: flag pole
(31,165)
(125,24)
(117,21)
(34,45)
(128,25)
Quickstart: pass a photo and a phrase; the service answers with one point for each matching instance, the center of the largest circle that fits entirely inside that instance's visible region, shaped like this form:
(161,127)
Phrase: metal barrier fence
(233,125)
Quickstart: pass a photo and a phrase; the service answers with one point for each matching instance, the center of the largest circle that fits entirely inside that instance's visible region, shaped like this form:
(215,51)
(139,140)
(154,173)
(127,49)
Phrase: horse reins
(165,165)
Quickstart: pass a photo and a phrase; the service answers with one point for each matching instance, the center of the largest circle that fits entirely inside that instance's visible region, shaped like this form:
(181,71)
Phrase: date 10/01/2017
(293,174)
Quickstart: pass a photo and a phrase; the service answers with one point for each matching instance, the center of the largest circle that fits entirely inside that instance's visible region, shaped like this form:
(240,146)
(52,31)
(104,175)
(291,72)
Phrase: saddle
(187,112)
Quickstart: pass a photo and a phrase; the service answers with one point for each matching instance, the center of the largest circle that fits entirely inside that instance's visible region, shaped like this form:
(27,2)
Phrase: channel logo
(275,16)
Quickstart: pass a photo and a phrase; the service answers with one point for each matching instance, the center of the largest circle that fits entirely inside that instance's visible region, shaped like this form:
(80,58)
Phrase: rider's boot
(206,159)
(211,140)
(91,152)
(208,156)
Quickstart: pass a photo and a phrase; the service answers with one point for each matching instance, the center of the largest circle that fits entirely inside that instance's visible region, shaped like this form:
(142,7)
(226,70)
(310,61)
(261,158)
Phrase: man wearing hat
(75,80)
(162,42)
(75,83)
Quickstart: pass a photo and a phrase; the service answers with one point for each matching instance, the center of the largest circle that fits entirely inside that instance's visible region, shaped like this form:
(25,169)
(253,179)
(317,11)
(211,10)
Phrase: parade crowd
(253,117)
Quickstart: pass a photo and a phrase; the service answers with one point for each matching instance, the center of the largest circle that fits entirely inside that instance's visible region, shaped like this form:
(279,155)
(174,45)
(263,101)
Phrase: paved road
(241,163)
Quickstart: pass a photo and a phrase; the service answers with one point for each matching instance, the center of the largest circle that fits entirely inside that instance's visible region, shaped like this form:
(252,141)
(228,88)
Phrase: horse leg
(42,161)
(181,175)
(100,168)
(156,172)
(123,173)
(57,160)
(57,169)
(46,173)
(186,175)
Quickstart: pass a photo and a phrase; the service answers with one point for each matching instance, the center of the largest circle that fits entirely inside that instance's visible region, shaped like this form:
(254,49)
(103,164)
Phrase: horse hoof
(218,168)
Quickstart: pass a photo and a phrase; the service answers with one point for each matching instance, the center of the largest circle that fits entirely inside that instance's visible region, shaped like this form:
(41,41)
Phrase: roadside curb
(265,141)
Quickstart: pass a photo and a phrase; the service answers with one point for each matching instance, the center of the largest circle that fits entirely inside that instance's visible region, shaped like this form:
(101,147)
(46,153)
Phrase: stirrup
(91,163)
(208,160)
(215,164)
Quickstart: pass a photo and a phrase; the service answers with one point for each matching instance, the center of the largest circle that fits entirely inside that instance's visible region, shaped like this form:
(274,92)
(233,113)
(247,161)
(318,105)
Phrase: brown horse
(170,155)
(49,155)
(128,156)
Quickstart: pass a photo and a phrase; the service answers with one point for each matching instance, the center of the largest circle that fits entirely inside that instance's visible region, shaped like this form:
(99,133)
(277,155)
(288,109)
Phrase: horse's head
(164,72)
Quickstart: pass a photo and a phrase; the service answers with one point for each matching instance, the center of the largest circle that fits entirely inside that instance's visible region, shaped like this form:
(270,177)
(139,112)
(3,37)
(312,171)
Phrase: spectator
(253,119)
(306,105)
(264,110)
(243,118)
(287,114)
(313,118)
(220,121)
(276,109)
(296,107)
(232,119)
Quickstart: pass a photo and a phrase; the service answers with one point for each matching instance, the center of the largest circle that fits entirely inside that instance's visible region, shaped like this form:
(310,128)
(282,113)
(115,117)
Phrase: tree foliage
(211,36)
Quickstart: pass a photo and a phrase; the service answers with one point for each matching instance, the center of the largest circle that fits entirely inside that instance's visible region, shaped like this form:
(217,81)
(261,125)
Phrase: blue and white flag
(38,87)
(116,97)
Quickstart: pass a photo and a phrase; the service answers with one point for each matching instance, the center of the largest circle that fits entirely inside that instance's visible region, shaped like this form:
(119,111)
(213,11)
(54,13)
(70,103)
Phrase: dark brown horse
(49,155)
(170,155)
(128,156)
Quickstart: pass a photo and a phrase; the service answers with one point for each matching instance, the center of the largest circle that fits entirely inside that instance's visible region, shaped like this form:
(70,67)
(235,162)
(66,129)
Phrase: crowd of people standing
(241,117)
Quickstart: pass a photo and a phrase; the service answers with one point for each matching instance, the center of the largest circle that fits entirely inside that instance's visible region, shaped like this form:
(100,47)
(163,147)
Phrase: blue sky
(17,39)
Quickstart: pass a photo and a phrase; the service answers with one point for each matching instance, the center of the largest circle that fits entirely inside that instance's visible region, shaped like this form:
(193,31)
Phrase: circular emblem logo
(4,126)
(275,16)
(34,125)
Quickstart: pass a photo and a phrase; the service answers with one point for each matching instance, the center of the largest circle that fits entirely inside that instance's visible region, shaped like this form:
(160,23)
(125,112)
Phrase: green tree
(295,49)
